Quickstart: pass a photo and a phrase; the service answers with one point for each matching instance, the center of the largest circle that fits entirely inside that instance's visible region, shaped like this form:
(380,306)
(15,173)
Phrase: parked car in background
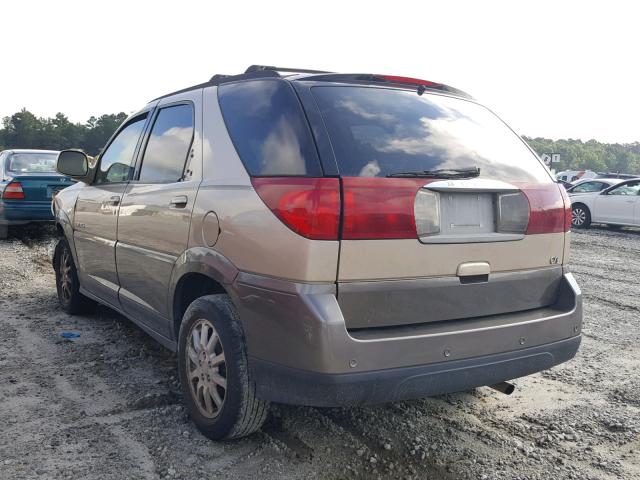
(616,206)
(322,239)
(592,185)
(28,180)
(574,175)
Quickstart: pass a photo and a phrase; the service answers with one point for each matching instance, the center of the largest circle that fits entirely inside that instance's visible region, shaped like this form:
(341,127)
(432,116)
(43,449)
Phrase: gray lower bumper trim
(288,385)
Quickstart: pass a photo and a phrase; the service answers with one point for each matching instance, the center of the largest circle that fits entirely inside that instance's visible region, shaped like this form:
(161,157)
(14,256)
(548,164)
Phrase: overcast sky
(553,69)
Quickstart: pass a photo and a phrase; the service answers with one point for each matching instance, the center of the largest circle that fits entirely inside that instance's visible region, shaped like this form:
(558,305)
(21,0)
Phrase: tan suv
(322,239)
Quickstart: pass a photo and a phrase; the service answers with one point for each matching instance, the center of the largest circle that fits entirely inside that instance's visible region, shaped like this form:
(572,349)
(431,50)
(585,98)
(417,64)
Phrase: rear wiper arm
(441,173)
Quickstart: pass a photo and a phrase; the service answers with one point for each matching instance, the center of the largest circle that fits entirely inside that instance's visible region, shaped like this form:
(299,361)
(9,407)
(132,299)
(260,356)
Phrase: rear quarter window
(376,132)
(268,128)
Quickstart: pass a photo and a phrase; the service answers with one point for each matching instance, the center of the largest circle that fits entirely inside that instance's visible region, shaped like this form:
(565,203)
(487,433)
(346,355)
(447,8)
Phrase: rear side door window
(116,162)
(168,147)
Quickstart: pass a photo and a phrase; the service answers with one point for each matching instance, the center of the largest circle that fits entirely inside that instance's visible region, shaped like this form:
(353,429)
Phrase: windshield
(377,132)
(32,162)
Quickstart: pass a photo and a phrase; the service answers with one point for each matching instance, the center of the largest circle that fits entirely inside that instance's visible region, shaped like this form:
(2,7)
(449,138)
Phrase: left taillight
(13,191)
(308,206)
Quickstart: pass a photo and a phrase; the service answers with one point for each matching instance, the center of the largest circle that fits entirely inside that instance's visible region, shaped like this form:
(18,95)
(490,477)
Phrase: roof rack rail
(257,68)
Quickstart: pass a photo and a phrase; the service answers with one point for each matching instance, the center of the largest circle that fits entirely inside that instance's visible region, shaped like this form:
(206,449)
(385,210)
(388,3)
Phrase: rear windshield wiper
(441,173)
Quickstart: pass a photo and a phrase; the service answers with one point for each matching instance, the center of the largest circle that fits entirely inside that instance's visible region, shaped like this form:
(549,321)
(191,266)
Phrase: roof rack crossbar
(255,68)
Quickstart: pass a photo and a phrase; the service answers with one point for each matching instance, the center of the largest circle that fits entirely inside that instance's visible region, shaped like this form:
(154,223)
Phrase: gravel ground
(107,405)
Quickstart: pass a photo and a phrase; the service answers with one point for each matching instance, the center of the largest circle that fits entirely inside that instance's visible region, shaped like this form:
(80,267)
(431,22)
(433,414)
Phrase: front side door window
(117,160)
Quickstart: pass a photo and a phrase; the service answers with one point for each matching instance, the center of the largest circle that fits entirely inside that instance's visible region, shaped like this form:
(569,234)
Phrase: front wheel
(580,216)
(67,284)
(212,362)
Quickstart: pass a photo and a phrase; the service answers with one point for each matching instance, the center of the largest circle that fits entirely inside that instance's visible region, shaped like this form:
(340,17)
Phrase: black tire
(67,284)
(4,231)
(240,413)
(580,216)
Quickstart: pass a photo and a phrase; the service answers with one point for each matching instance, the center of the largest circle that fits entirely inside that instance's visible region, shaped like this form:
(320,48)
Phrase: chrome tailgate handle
(179,202)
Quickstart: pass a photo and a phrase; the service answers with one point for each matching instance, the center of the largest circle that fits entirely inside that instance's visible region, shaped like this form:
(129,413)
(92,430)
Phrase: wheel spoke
(216,397)
(212,343)
(219,380)
(204,335)
(217,360)
(196,339)
(207,400)
(193,356)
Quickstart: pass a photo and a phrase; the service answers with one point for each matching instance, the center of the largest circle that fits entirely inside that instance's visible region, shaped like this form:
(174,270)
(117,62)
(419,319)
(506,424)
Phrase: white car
(618,205)
(592,185)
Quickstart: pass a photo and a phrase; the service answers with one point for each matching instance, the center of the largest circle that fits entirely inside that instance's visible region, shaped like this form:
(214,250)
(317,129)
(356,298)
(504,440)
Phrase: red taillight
(377,208)
(13,191)
(568,212)
(548,209)
(308,206)
(409,80)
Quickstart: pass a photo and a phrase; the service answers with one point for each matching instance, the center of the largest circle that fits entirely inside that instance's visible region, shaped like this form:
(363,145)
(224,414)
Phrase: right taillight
(13,191)
(568,211)
(548,209)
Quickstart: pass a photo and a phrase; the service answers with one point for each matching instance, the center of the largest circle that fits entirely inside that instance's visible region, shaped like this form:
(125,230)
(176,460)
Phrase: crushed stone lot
(107,405)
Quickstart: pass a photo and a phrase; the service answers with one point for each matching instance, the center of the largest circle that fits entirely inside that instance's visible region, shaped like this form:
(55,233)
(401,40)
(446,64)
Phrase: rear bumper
(17,212)
(298,387)
(297,331)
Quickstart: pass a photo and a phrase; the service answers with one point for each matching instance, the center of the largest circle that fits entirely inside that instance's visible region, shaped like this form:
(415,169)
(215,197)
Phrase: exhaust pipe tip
(504,387)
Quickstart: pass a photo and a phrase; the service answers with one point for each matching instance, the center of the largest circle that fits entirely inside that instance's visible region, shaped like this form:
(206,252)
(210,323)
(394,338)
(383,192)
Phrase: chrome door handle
(115,200)
(179,202)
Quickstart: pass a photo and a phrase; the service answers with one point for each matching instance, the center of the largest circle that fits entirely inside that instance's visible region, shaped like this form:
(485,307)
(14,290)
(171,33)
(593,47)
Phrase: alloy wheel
(578,217)
(206,368)
(65,275)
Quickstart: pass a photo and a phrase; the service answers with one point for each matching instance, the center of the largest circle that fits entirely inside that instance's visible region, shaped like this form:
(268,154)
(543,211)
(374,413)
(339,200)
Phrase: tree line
(590,155)
(24,130)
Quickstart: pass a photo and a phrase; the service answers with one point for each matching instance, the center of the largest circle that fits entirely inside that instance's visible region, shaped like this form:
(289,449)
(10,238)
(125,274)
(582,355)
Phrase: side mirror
(74,164)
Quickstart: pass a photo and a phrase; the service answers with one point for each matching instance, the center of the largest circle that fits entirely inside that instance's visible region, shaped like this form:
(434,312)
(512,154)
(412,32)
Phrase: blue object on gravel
(69,335)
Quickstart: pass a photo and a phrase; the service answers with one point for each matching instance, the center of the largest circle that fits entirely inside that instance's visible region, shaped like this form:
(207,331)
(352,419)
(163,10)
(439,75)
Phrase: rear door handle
(179,202)
(115,200)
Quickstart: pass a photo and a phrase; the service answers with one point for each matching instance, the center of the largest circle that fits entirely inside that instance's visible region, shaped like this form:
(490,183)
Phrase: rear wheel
(67,284)
(580,216)
(212,361)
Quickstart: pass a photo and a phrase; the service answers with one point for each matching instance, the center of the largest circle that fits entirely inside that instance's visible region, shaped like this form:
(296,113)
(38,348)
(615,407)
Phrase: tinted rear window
(268,128)
(32,162)
(376,132)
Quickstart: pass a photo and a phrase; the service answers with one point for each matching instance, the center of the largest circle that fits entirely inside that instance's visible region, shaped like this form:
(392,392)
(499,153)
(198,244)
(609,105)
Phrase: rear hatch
(446,213)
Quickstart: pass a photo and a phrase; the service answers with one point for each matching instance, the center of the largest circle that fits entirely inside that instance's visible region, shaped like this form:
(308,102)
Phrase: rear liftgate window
(376,132)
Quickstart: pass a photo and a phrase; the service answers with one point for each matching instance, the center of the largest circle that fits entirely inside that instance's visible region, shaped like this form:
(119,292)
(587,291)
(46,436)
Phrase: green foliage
(24,130)
(591,155)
